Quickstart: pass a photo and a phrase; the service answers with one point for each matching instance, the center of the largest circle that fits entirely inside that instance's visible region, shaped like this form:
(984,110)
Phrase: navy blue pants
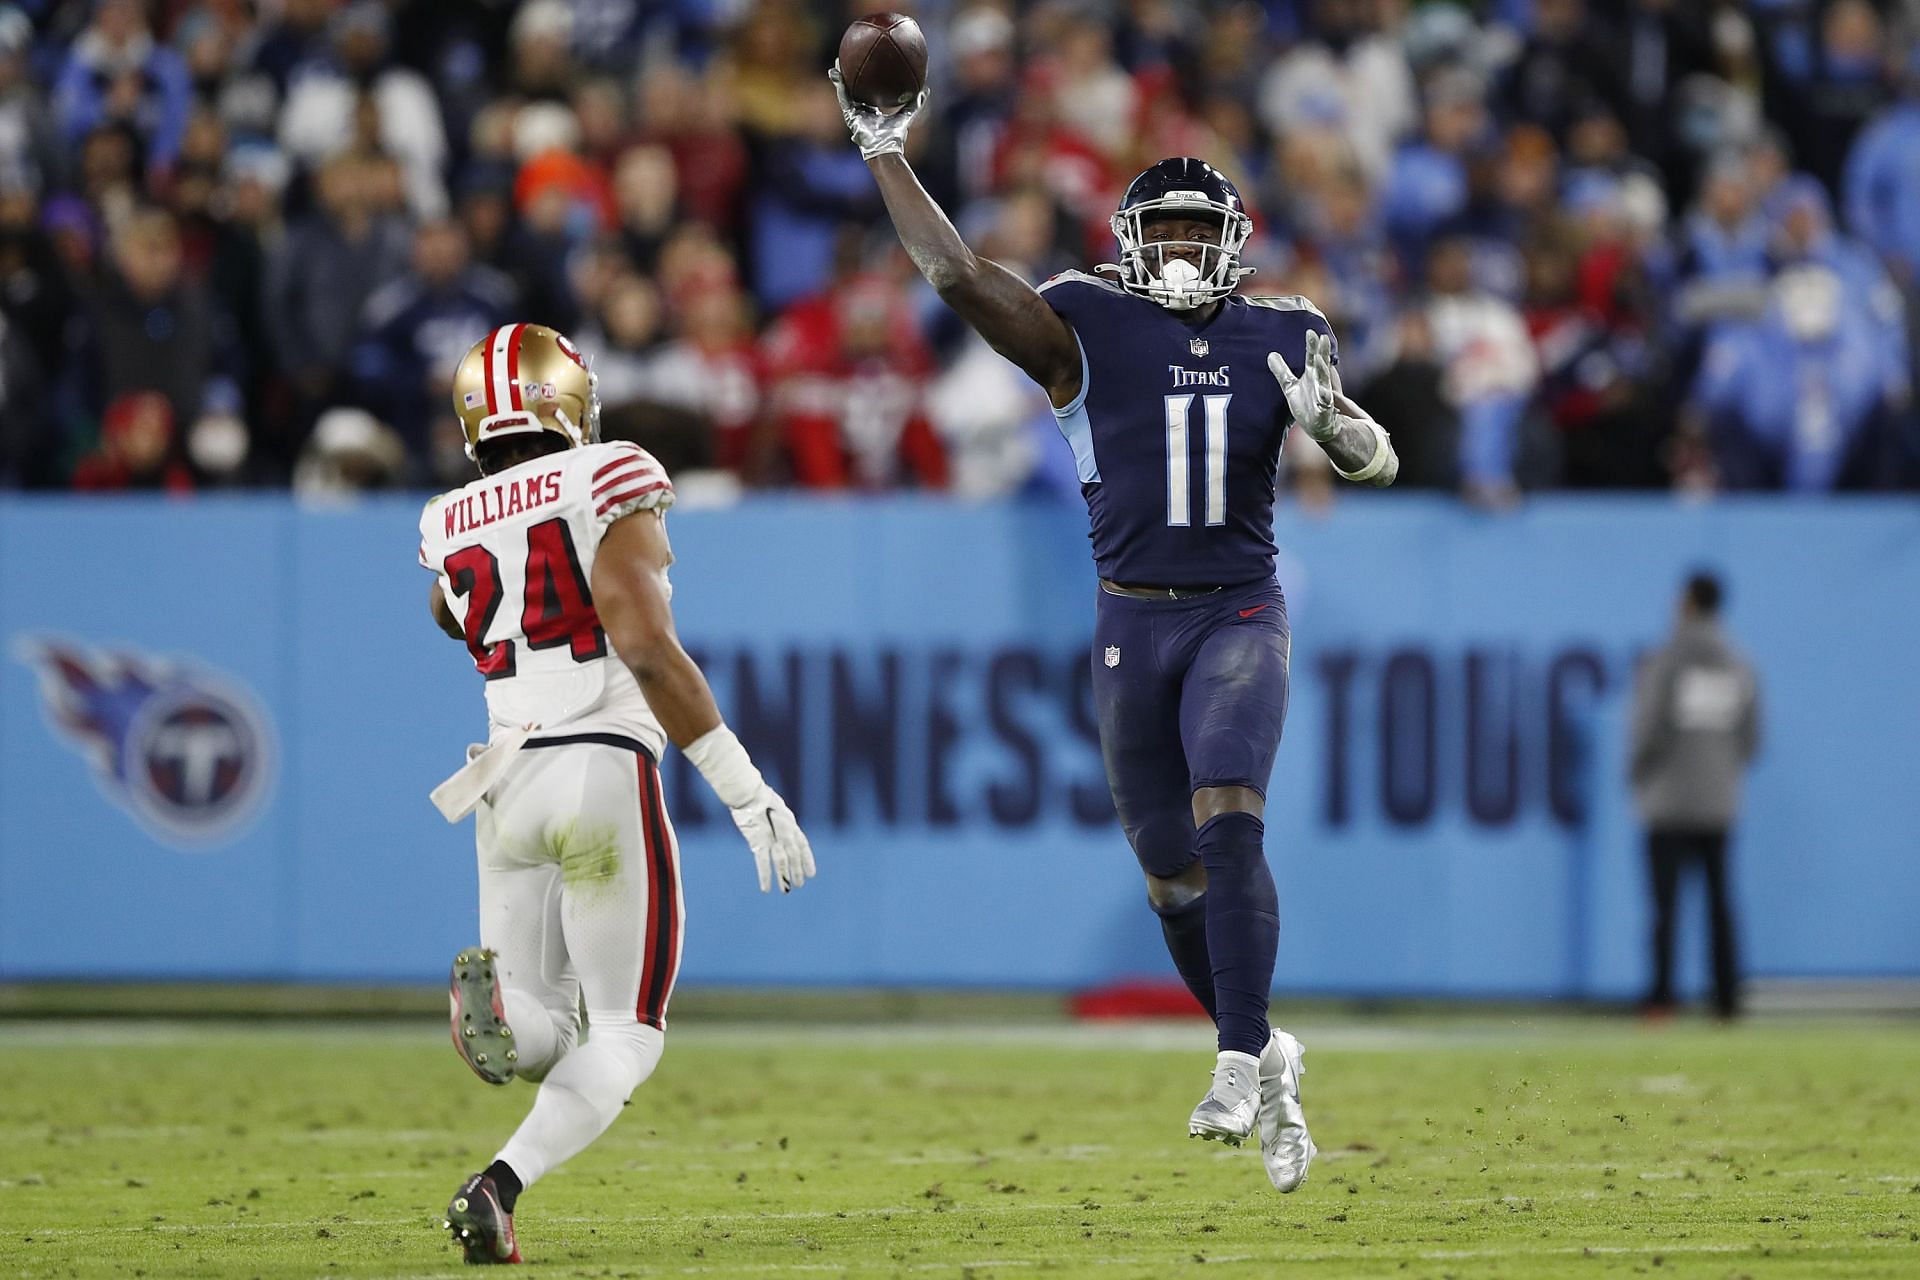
(1190,694)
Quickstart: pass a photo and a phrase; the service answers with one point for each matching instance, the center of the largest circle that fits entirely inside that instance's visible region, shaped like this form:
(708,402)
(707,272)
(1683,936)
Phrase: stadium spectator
(711,366)
(771,68)
(621,339)
(1803,399)
(147,326)
(1834,74)
(1661,45)
(1409,398)
(137,449)
(349,452)
(1696,728)
(36,295)
(812,184)
(295,37)
(542,50)
(846,373)
(416,329)
(1564,72)
(1491,370)
(30,145)
(1427,183)
(579,143)
(996,427)
(1723,261)
(1097,100)
(1354,75)
(693,119)
(1883,186)
(973,115)
(117,74)
(357,75)
(319,280)
(645,194)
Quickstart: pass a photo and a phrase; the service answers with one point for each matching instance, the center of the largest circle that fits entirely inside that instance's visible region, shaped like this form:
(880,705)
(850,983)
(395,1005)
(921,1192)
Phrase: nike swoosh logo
(1248,613)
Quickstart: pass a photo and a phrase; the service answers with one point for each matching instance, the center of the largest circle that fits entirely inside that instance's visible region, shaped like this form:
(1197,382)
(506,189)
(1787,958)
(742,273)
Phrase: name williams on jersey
(482,503)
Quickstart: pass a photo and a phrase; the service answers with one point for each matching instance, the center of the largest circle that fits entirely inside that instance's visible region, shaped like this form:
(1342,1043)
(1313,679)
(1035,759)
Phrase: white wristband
(1382,452)
(724,763)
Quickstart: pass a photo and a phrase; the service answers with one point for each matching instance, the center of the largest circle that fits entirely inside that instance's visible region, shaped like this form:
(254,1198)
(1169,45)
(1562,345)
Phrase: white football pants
(580,896)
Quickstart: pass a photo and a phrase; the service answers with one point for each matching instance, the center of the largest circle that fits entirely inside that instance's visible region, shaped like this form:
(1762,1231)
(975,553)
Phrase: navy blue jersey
(1177,429)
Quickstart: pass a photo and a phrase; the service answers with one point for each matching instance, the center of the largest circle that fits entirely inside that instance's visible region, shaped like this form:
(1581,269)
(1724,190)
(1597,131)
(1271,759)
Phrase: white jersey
(514,553)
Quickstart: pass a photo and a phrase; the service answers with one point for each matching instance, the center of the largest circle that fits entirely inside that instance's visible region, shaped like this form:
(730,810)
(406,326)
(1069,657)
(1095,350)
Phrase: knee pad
(1164,846)
(1176,895)
(566,1033)
(629,1043)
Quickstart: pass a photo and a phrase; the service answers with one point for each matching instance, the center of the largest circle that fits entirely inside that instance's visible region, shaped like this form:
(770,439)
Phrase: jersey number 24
(558,608)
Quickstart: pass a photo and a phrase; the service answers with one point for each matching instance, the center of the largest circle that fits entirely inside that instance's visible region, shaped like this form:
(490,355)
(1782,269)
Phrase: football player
(552,569)
(1175,392)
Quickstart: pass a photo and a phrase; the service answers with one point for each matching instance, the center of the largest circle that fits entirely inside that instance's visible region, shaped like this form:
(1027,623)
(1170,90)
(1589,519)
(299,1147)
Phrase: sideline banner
(219,722)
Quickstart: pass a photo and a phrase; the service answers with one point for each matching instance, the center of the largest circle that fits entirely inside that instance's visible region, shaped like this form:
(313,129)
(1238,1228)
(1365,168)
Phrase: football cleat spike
(479,1020)
(1228,1112)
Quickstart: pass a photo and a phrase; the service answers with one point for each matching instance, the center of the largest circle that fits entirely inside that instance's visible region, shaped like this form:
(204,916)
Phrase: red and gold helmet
(523,378)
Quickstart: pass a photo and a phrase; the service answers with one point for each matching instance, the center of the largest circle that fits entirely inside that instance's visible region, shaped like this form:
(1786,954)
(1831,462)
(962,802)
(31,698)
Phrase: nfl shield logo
(1113,655)
(1199,346)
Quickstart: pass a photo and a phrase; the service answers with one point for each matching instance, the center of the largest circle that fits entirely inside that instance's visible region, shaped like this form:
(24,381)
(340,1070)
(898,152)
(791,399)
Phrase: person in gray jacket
(1696,727)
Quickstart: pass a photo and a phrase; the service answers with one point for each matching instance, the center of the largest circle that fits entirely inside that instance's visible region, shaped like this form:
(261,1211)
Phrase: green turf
(1547,1148)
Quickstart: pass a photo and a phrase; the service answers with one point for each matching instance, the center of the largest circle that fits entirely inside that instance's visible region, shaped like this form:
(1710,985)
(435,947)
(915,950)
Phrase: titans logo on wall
(184,749)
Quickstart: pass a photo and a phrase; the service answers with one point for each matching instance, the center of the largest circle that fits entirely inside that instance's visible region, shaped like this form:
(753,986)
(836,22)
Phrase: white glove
(1310,395)
(875,132)
(780,848)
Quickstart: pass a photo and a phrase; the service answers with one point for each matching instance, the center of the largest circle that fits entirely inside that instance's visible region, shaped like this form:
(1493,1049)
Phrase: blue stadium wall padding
(219,721)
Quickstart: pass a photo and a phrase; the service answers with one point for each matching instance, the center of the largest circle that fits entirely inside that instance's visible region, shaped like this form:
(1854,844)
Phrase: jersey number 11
(1179,459)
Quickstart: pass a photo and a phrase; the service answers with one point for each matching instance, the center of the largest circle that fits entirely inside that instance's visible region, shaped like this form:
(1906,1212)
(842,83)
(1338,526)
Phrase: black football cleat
(480,1226)
(480,1030)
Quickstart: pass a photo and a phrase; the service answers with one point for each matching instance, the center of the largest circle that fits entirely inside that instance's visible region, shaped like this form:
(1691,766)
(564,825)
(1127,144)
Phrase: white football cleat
(1228,1112)
(1286,1148)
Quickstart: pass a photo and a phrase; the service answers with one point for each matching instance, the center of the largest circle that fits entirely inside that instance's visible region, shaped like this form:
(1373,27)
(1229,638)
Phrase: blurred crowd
(1657,244)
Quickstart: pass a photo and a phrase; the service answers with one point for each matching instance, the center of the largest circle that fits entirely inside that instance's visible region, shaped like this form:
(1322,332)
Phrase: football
(883,61)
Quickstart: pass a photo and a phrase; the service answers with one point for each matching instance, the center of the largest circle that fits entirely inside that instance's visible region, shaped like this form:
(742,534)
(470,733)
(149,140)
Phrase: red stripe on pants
(672,904)
(659,962)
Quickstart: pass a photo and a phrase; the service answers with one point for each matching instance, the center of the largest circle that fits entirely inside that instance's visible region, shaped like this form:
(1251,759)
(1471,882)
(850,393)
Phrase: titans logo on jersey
(1177,429)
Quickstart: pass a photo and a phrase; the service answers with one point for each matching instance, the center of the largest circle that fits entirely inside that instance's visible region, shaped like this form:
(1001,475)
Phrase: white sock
(582,1096)
(537,1035)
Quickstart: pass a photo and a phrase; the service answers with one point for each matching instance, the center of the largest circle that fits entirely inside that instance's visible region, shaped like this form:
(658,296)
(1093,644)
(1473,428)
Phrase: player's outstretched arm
(630,594)
(1002,308)
(1358,447)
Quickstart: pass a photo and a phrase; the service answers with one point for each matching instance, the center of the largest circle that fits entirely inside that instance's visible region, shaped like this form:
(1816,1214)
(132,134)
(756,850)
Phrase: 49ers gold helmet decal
(523,378)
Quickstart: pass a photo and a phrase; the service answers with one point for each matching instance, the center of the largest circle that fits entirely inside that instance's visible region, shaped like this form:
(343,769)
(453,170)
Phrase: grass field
(1475,1148)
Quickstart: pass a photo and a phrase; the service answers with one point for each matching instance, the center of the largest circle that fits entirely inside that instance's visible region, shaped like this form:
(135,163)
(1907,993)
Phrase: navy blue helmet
(1181,187)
